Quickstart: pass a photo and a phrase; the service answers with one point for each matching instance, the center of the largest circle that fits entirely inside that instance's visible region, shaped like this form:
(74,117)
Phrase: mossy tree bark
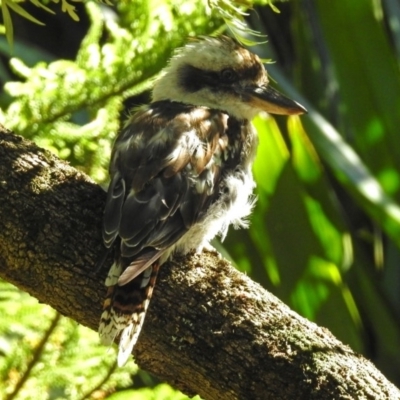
(209,330)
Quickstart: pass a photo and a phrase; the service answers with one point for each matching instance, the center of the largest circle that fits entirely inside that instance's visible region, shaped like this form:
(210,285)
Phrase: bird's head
(219,73)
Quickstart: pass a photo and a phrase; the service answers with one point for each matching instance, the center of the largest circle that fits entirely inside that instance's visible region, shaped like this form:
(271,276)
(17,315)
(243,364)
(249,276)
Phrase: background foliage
(325,234)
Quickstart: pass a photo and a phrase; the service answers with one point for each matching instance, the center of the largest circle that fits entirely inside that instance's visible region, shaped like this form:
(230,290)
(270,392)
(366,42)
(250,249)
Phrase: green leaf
(37,3)
(353,173)
(70,9)
(369,85)
(7,22)
(272,153)
(304,157)
(19,10)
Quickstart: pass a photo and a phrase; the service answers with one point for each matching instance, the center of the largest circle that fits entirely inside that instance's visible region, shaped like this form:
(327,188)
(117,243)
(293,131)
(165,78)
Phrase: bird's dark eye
(228,75)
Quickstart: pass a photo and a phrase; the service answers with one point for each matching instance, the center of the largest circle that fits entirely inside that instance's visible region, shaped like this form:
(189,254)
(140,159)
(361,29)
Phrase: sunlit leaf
(353,173)
(19,10)
(39,4)
(304,156)
(7,22)
(70,9)
(371,110)
(272,153)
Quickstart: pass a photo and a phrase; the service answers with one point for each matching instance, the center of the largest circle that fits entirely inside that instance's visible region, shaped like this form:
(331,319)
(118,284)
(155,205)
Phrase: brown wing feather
(156,159)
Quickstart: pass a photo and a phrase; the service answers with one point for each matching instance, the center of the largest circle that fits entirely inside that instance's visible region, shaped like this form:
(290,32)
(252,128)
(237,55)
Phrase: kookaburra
(181,172)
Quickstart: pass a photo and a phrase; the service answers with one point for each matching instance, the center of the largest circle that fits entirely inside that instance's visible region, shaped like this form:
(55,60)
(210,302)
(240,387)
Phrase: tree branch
(209,330)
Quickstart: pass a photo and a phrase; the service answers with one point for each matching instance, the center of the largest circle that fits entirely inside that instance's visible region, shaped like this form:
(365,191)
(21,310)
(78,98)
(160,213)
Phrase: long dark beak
(270,100)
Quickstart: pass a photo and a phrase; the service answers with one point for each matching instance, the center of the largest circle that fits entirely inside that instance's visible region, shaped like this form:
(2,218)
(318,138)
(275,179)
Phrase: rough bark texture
(209,330)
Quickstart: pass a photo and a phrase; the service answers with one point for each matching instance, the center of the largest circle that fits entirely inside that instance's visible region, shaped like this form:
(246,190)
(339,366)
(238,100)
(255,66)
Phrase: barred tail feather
(124,311)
